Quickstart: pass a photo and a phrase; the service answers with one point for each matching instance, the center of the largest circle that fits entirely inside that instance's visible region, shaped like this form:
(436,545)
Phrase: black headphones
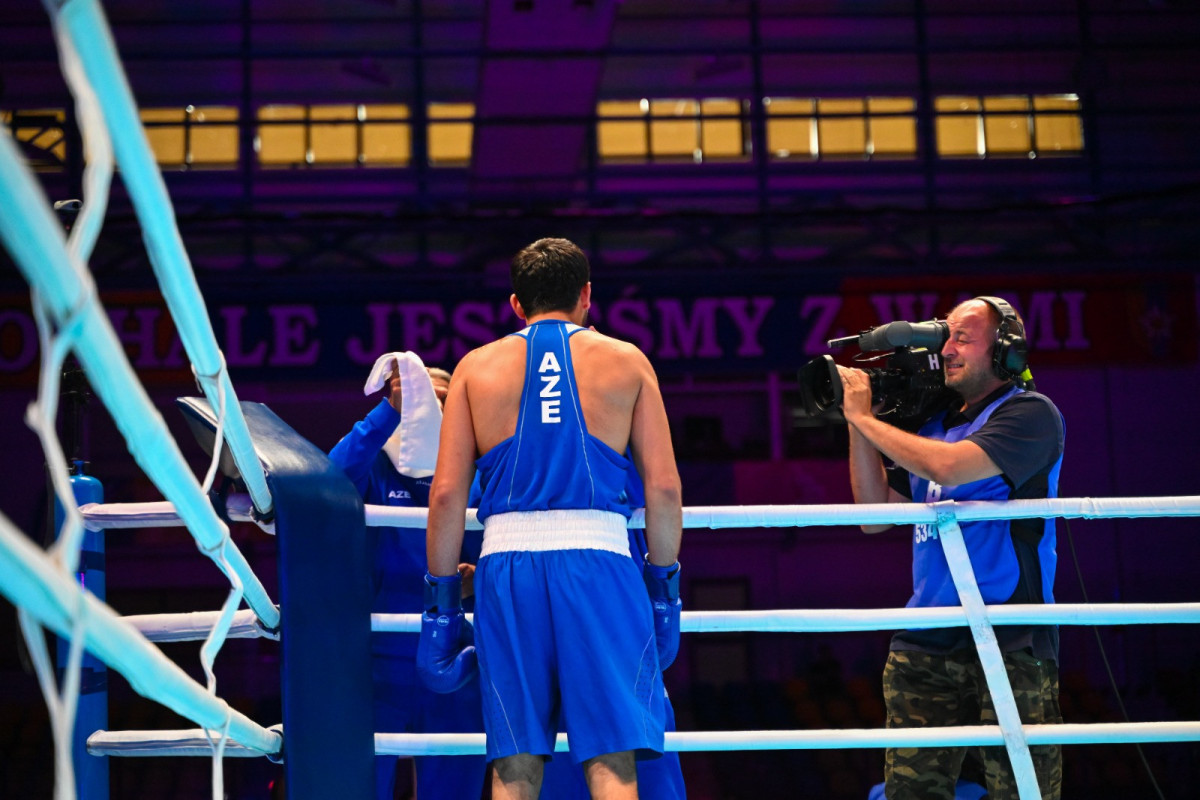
(1010,357)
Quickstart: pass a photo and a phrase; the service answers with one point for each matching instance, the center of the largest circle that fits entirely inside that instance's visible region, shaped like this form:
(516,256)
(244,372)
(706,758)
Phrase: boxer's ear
(516,307)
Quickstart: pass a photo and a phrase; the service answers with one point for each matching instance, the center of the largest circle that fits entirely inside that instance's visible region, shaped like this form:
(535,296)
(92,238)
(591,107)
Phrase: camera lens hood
(820,386)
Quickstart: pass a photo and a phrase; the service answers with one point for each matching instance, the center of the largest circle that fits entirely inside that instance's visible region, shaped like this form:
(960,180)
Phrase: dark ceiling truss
(43,133)
(1107,235)
(328,247)
(267,53)
(1130,196)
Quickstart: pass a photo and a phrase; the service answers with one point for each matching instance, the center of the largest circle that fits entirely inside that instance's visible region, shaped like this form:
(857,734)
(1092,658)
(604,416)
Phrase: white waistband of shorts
(535,531)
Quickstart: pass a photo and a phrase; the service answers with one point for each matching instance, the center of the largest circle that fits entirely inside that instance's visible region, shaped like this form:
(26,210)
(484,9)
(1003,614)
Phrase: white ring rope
(135,744)
(101,516)
(828,739)
(35,240)
(789,516)
(973,612)
(85,23)
(195,625)
(979,617)
(188,742)
(158,514)
(833,620)
(976,615)
(64,293)
(30,580)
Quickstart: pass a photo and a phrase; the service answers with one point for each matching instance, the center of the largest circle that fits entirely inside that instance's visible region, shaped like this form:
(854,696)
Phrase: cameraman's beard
(968,383)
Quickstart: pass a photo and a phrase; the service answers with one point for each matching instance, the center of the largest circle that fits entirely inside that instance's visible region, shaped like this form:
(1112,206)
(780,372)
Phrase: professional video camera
(910,385)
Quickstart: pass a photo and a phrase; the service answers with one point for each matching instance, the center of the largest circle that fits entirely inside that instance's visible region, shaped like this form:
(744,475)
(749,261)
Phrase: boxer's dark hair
(548,275)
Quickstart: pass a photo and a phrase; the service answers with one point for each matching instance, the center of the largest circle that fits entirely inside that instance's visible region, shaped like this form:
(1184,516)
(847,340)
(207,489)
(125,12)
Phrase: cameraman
(1002,442)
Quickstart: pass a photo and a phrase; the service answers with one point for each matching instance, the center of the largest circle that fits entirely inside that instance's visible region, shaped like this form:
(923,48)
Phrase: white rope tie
(43,584)
(220,631)
(97,147)
(40,417)
(218,386)
(218,753)
(63,702)
(217,552)
(992,661)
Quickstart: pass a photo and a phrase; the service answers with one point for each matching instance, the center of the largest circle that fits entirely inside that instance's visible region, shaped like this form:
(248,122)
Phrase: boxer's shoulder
(592,344)
(497,354)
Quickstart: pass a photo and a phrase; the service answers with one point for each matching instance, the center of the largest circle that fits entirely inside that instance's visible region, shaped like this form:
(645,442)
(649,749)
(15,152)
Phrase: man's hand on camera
(856,393)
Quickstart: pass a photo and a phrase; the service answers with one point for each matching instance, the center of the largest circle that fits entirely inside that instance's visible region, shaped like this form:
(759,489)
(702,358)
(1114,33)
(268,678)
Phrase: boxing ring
(325,741)
(946,516)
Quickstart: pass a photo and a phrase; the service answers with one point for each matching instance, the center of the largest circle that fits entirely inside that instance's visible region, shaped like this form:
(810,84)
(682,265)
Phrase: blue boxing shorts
(565,636)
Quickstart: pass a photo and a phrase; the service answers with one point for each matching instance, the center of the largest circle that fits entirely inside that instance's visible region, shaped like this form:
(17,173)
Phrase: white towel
(413,447)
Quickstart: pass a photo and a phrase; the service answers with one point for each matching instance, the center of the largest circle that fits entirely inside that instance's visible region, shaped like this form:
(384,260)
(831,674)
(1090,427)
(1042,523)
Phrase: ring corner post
(91,713)
(325,605)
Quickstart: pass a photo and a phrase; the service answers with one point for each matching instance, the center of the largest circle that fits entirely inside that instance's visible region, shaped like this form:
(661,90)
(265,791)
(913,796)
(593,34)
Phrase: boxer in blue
(569,628)
(658,778)
(402,703)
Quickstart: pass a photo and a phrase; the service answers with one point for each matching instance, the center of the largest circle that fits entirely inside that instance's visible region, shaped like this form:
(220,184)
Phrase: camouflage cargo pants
(925,690)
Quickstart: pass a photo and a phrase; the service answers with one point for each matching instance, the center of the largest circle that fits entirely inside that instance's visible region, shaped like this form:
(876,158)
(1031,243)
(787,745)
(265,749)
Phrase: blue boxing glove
(446,653)
(662,584)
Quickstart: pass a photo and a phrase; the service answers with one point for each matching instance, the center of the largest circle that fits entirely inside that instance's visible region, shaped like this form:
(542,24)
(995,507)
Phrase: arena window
(1057,124)
(1007,126)
(638,131)
(386,135)
(672,129)
(193,137)
(840,128)
(451,128)
(342,135)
